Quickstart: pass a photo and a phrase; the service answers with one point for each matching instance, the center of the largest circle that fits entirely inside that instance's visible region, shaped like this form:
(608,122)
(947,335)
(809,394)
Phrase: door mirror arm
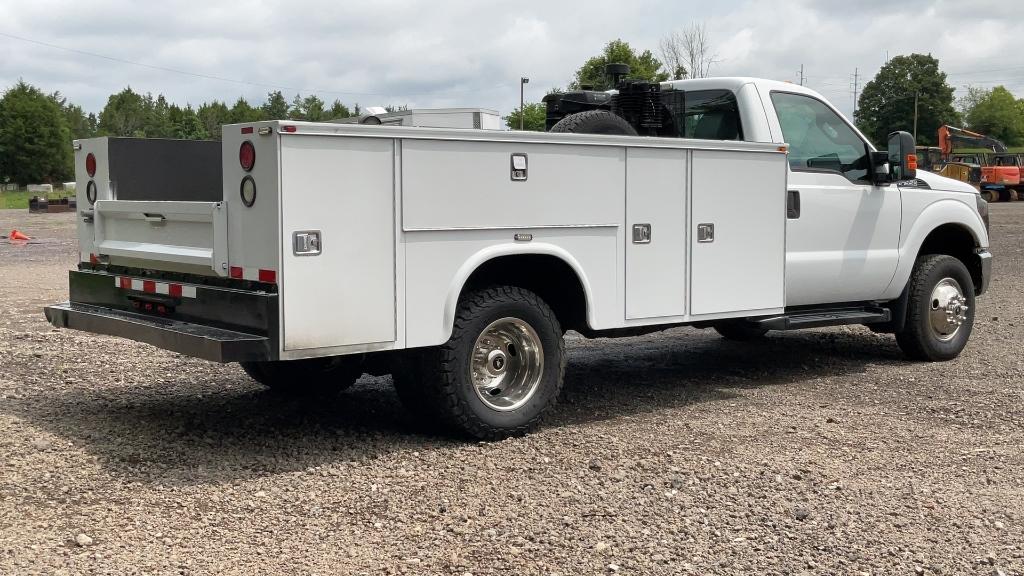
(880,174)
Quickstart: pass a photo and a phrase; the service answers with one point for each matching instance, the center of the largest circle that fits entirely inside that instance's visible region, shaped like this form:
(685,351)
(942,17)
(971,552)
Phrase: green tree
(313,108)
(533,117)
(887,102)
(643,66)
(296,111)
(338,110)
(276,107)
(80,124)
(188,126)
(213,115)
(126,114)
(996,113)
(243,112)
(159,123)
(35,143)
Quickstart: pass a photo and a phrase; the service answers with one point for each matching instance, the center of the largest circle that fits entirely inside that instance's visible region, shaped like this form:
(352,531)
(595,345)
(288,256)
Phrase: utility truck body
(454,259)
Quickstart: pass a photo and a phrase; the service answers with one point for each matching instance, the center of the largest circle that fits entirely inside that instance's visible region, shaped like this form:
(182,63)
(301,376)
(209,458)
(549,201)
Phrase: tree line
(36,129)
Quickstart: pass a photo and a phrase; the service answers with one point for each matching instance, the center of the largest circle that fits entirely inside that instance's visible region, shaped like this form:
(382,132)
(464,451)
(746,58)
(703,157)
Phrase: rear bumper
(207,342)
(210,322)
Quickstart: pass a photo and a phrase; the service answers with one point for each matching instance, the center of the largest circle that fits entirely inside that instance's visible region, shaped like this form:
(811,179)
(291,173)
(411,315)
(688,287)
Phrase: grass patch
(19,199)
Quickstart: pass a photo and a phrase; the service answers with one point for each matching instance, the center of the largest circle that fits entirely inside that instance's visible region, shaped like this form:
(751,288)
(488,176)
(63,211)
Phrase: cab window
(819,139)
(706,114)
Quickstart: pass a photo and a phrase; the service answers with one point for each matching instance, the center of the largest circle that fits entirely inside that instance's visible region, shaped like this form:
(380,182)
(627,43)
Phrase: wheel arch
(945,227)
(545,269)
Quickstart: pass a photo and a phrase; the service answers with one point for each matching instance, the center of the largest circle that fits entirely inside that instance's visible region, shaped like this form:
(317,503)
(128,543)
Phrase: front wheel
(940,309)
(500,371)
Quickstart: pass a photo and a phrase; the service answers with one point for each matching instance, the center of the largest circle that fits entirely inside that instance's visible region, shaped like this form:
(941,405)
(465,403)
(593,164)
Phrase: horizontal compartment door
(189,233)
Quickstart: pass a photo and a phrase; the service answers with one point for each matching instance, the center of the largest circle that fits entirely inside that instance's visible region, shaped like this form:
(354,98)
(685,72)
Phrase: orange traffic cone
(17,235)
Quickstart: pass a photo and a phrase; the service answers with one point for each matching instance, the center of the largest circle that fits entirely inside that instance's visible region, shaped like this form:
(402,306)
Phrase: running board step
(821,318)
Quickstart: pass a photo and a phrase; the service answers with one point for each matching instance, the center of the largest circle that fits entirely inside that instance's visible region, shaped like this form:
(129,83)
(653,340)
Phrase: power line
(222,78)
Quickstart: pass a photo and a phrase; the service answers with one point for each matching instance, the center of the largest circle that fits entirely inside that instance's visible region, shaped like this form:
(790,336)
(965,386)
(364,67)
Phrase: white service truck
(456,259)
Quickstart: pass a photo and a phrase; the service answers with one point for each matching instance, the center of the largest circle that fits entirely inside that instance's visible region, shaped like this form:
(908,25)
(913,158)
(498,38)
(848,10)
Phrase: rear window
(706,114)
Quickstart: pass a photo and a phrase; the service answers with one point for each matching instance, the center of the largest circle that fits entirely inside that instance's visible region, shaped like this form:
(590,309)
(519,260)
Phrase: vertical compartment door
(655,233)
(738,232)
(340,290)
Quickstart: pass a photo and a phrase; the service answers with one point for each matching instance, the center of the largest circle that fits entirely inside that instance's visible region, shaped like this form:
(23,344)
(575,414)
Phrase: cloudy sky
(472,53)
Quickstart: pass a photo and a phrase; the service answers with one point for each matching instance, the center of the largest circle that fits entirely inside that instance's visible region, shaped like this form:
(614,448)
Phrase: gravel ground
(820,452)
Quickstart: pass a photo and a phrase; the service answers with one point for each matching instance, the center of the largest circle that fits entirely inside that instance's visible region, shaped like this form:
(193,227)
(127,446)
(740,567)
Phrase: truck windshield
(818,138)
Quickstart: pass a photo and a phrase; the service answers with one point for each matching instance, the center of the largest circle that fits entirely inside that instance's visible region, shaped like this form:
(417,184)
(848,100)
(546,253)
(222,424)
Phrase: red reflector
(268,276)
(288,128)
(160,308)
(236,271)
(247,155)
(148,306)
(148,286)
(247,130)
(174,290)
(93,259)
(90,164)
(126,283)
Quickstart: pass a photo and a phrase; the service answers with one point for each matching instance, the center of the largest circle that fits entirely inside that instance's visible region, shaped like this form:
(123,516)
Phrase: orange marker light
(911,161)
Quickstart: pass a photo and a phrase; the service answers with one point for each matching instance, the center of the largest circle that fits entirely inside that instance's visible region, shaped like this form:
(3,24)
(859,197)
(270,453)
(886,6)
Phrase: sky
(466,53)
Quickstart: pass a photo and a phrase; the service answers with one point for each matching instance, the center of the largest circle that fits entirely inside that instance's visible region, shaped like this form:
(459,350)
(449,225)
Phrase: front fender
(951,210)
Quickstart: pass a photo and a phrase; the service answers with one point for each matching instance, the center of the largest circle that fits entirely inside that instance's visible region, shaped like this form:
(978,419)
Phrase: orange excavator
(999,181)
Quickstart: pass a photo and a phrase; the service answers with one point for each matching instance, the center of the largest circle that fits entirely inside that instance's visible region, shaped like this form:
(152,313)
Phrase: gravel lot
(820,452)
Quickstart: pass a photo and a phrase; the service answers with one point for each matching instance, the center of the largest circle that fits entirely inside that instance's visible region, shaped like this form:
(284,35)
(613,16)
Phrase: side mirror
(902,156)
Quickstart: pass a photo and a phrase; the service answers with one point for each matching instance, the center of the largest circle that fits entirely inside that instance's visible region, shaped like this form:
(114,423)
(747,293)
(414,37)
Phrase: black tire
(919,340)
(440,387)
(739,331)
(594,122)
(310,377)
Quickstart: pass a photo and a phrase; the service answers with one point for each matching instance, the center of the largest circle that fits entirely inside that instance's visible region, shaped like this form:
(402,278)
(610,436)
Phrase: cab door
(842,231)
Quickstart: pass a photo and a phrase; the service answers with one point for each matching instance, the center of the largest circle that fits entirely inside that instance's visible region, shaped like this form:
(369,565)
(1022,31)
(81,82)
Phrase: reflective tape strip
(153,287)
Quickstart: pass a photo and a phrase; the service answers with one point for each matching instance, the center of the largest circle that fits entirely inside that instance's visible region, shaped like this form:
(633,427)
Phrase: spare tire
(594,122)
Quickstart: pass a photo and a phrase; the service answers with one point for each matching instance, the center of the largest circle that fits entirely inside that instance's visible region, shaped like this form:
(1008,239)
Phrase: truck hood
(937,182)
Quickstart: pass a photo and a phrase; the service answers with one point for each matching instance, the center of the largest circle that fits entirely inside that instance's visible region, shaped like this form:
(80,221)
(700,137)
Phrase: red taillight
(247,155)
(268,276)
(288,129)
(247,130)
(90,164)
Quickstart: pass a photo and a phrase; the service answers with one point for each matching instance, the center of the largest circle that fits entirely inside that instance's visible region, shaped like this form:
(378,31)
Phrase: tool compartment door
(737,232)
(342,188)
(656,233)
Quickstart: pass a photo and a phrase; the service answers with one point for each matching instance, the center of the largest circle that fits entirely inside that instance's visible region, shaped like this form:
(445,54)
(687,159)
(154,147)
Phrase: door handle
(793,204)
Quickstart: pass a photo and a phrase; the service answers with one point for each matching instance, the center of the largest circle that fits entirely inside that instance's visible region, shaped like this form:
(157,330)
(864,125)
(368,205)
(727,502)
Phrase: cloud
(472,53)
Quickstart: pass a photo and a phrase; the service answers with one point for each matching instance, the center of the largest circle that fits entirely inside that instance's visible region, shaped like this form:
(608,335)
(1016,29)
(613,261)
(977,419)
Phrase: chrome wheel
(947,309)
(507,364)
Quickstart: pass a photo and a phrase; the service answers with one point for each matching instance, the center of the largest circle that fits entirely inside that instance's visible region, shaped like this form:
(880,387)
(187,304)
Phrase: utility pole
(856,78)
(523,81)
(802,77)
(916,94)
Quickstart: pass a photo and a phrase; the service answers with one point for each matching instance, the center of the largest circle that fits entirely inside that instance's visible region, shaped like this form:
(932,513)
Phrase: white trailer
(456,259)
